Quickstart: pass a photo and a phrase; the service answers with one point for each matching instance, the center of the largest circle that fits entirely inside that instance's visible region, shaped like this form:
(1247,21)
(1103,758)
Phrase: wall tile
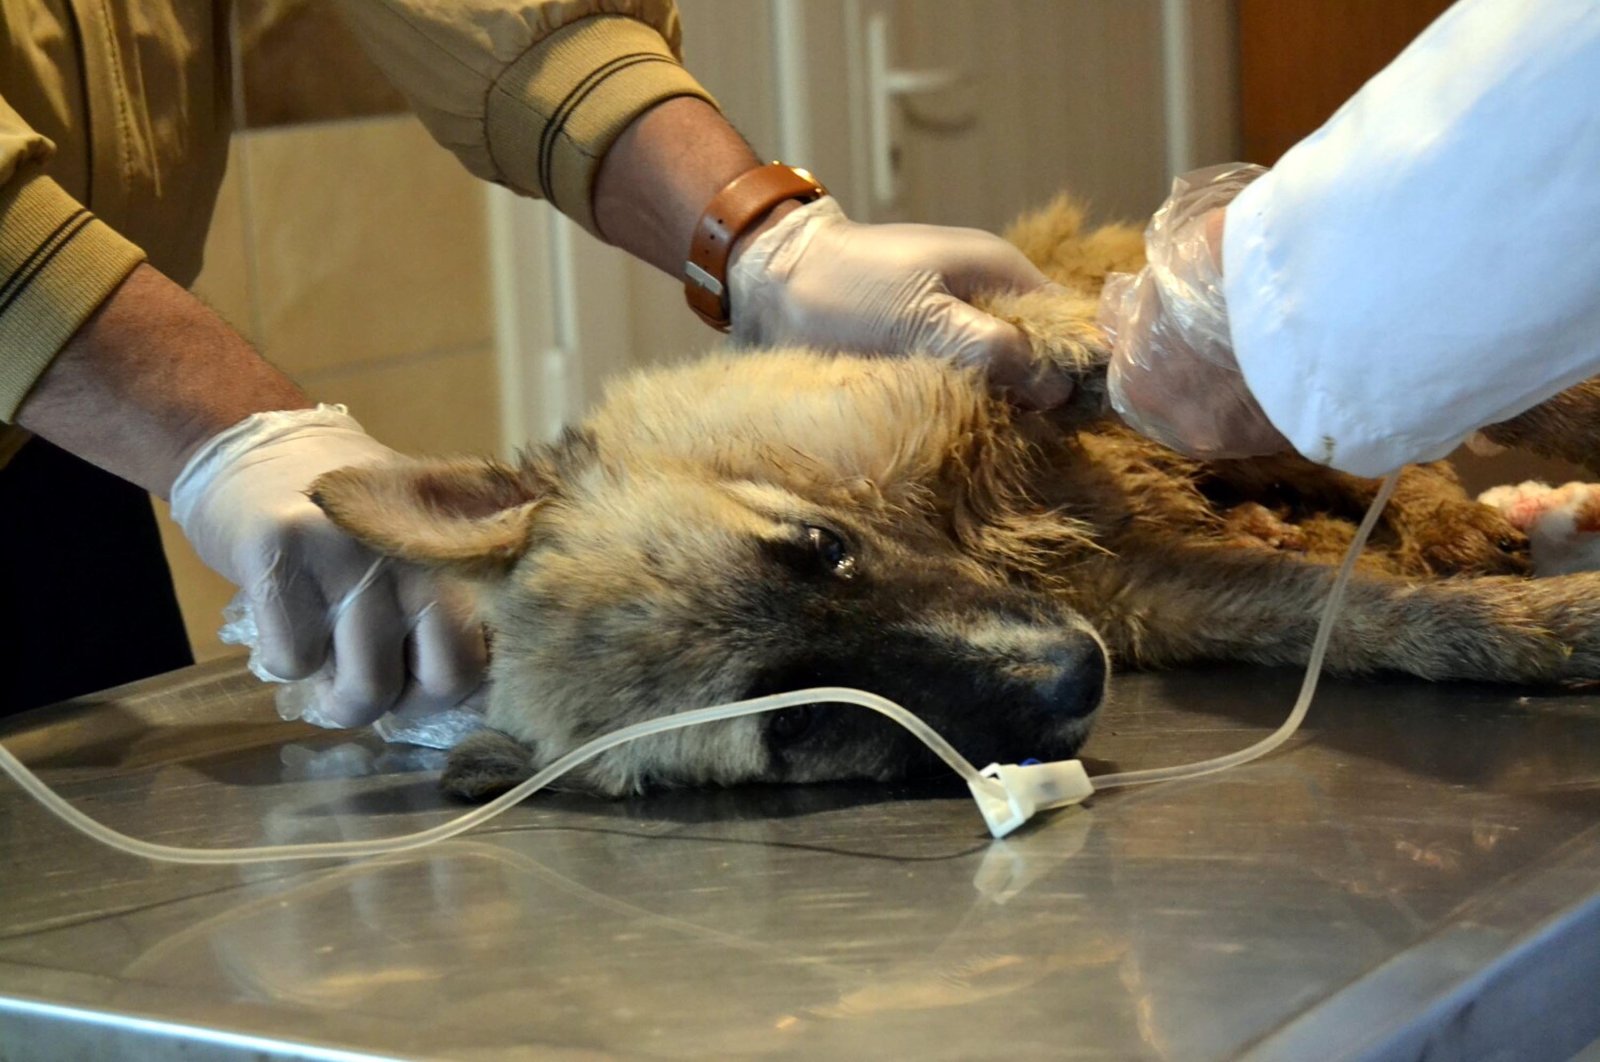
(224,280)
(440,404)
(663,329)
(370,243)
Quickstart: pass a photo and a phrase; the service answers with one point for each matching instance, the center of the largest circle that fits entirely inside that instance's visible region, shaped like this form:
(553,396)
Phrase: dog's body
(763,521)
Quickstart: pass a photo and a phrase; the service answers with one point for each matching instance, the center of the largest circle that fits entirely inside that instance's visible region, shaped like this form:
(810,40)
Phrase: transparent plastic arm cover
(1007,795)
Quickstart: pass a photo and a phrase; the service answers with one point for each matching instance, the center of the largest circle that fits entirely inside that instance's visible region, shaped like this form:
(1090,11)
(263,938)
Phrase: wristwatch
(732,212)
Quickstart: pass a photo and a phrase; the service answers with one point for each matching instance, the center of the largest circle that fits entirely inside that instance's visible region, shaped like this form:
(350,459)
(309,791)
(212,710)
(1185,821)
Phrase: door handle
(885,84)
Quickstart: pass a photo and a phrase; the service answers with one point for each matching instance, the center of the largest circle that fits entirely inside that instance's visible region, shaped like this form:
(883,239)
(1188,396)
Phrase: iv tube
(1308,686)
(974,778)
(383,845)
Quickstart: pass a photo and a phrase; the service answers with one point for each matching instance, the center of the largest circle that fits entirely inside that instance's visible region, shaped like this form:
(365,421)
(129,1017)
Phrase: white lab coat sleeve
(1429,260)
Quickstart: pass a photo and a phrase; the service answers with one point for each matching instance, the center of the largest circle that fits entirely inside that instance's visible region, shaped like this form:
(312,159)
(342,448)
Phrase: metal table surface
(1416,875)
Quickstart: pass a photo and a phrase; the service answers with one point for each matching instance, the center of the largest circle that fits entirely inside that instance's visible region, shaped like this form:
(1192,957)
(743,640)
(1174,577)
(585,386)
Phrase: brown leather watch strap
(733,211)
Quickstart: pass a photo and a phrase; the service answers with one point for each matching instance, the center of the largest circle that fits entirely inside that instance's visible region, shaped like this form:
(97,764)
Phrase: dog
(753,522)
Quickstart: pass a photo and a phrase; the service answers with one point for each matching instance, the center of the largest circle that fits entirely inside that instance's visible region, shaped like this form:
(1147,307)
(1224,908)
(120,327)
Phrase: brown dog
(757,522)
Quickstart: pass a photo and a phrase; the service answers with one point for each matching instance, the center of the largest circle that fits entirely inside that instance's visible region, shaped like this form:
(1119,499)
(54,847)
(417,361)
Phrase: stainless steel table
(1417,875)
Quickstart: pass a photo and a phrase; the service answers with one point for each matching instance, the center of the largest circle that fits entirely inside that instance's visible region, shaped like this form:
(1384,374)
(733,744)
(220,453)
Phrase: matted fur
(765,520)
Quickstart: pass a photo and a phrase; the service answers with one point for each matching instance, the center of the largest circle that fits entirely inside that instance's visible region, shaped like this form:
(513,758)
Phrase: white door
(1102,98)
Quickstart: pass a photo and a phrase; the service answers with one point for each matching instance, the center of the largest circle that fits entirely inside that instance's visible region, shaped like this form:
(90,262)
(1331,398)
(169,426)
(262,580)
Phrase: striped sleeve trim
(555,112)
(58,263)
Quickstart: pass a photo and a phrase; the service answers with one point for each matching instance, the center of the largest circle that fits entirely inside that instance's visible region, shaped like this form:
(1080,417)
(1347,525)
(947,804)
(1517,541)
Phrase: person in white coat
(1426,263)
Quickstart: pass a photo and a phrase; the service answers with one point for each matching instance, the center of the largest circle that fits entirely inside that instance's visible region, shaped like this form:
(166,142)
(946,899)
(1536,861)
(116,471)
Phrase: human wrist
(658,176)
(763,198)
(766,224)
(324,437)
(555,115)
(147,380)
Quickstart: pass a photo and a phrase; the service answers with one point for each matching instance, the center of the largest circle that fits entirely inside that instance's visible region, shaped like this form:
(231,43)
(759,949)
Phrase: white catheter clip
(1009,794)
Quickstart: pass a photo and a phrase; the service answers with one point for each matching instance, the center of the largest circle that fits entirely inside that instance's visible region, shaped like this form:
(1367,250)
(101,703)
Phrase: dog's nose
(1077,681)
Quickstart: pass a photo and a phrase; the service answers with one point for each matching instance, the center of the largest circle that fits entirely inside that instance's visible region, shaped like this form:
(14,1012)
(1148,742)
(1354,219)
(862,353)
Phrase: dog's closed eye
(792,724)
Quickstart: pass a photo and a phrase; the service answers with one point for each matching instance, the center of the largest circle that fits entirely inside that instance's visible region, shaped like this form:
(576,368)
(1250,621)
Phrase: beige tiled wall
(354,255)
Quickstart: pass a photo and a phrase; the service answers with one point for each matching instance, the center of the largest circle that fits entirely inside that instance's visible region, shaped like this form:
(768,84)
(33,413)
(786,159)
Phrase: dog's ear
(469,517)
(485,764)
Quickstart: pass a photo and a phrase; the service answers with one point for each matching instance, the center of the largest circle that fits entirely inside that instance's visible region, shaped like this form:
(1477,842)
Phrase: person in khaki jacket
(114,120)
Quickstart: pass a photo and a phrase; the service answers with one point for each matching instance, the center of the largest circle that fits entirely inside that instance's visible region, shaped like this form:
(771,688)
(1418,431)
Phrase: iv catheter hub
(1010,794)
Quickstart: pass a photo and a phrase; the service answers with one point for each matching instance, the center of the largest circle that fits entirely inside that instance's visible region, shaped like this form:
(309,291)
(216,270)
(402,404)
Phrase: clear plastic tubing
(1308,686)
(837,695)
(383,845)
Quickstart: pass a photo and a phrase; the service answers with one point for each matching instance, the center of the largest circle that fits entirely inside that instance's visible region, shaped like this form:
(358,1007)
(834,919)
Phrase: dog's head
(742,527)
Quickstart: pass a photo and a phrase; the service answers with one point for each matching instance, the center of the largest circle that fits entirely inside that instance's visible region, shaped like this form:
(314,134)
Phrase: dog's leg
(1061,328)
(1183,603)
(1438,529)
(1566,426)
(484,764)
(1061,322)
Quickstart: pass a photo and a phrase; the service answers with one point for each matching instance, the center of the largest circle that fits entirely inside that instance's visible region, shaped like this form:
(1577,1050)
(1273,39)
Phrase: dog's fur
(754,522)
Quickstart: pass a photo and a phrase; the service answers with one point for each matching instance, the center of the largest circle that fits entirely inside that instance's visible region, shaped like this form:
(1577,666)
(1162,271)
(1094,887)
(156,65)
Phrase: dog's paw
(1562,523)
(1253,524)
(486,764)
(1469,538)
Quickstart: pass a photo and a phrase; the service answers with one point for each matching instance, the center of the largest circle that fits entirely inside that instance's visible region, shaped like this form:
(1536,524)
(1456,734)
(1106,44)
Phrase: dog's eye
(792,724)
(830,551)
(815,551)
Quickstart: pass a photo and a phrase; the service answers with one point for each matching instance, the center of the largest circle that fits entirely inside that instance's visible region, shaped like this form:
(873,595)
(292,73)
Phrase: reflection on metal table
(1418,872)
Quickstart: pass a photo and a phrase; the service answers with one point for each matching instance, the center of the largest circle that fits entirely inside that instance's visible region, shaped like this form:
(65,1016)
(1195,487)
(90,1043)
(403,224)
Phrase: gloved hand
(818,279)
(379,634)
(1173,375)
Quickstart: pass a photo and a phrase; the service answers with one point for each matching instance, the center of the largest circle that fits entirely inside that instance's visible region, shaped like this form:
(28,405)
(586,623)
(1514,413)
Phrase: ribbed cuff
(58,263)
(555,112)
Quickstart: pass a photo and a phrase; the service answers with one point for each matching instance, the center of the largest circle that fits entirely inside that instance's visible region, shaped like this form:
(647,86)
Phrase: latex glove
(378,634)
(818,279)
(1173,375)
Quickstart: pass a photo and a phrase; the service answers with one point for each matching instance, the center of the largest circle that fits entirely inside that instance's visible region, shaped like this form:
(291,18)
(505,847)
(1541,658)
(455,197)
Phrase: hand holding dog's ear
(1173,375)
(817,279)
(390,634)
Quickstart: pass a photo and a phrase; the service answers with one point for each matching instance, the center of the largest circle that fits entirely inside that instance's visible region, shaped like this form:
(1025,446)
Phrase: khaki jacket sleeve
(57,262)
(529,93)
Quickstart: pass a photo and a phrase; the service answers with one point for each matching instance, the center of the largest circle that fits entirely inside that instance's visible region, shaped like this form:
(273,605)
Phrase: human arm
(807,275)
(584,104)
(109,359)
(1426,263)
(1173,374)
(100,353)
(157,389)
(150,376)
